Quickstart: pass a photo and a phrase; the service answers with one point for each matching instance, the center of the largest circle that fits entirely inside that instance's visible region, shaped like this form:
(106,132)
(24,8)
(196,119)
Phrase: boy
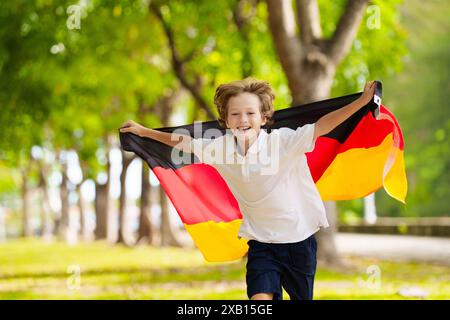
(281,207)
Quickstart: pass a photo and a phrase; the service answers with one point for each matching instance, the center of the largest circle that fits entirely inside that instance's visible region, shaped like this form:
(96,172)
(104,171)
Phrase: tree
(310,60)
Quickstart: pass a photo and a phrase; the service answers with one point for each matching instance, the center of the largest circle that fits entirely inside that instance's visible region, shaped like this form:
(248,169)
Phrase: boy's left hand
(369,91)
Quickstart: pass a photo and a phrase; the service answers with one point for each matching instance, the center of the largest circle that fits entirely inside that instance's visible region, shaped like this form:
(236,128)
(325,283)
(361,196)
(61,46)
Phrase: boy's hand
(369,91)
(133,127)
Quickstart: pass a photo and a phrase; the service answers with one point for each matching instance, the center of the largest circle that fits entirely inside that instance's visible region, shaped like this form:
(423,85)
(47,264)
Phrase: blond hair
(228,90)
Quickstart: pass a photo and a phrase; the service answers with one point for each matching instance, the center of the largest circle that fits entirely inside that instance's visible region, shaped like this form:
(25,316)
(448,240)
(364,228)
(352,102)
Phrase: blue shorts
(271,266)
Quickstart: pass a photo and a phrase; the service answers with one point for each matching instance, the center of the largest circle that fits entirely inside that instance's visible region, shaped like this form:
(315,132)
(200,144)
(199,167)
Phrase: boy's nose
(243,119)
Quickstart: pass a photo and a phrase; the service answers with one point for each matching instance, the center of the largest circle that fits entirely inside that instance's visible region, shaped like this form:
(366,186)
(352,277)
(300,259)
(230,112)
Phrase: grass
(33,269)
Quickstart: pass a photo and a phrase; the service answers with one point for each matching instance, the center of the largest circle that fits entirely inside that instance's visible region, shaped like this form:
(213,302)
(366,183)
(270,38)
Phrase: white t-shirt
(272,183)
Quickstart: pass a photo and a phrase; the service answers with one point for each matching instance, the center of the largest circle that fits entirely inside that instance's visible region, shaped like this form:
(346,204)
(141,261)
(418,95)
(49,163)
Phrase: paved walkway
(395,247)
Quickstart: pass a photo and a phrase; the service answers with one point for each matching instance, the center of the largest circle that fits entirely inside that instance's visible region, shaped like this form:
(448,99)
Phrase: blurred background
(81,219)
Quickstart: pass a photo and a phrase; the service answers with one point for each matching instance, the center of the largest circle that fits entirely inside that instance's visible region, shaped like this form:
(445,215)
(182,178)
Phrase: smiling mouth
(244,129)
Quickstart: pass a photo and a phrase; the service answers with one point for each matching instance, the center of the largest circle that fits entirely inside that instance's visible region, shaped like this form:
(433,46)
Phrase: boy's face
(244,116)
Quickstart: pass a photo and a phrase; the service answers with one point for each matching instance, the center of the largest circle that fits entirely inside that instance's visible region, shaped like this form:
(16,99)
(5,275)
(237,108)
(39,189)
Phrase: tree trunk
(64,195)
(101,211)
(167,234)
(102,205)
(326,249)
(82,232)
(46,210)
(27,230)
(122,230)
(145,230)
(315,82)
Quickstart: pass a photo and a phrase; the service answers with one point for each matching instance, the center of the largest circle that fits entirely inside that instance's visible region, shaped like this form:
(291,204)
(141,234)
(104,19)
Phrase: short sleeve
(300,140)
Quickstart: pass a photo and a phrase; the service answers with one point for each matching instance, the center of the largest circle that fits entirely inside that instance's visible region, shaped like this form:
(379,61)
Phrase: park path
(395,247)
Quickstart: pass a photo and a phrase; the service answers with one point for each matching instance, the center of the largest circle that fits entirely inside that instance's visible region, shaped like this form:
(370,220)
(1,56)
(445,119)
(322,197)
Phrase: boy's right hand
(133,127)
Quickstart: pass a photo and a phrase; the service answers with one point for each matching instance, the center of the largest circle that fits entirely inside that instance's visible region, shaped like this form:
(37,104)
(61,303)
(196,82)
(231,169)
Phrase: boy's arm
(175,140)
(331,120)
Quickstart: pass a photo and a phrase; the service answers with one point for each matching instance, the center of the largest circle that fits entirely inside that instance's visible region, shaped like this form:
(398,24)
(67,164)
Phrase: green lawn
(32,269)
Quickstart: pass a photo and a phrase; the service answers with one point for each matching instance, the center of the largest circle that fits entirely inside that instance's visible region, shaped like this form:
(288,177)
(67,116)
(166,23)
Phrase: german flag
(358,157)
